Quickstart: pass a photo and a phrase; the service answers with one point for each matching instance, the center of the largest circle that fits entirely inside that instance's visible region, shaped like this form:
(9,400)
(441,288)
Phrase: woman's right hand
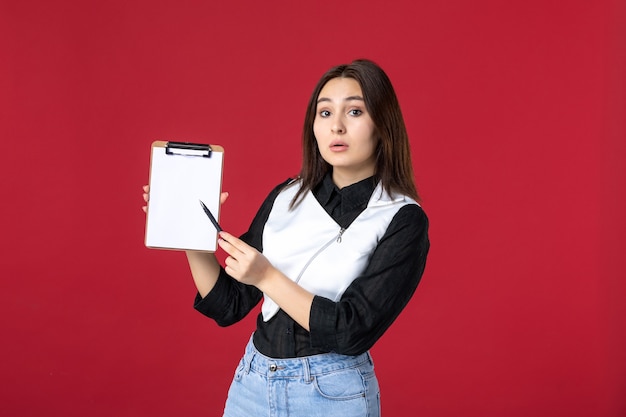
(146,197)
(204,266)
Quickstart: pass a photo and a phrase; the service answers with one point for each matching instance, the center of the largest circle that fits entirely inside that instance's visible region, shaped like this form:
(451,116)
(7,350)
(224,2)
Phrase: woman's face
(345,132)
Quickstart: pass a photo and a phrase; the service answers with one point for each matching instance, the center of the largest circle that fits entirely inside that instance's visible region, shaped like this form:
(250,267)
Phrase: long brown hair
(393,157)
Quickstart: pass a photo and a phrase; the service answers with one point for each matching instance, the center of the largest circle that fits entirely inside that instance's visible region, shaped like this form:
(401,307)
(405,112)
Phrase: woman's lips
(338,146)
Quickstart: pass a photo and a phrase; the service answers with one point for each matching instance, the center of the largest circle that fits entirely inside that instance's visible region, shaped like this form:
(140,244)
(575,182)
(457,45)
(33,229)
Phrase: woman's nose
(338,126)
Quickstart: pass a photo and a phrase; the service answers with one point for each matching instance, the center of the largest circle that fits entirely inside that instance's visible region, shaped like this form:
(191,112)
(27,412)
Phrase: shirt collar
(353,195)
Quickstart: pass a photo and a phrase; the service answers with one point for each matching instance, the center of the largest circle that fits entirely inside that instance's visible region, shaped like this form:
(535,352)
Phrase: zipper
(320,250)
(340,233)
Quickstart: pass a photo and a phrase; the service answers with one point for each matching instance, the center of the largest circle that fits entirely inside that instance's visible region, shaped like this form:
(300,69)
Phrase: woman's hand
(146,197)
(249,266)
(244,263)
(204,266)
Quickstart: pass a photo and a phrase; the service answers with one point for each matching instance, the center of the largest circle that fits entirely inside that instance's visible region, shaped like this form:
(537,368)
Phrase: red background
(515,111)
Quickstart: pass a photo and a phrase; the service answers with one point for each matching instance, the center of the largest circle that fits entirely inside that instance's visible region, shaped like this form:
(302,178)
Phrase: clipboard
(181,175)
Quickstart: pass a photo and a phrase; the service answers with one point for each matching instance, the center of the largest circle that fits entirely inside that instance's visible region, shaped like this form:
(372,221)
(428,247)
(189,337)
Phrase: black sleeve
(230,301)
(375,299)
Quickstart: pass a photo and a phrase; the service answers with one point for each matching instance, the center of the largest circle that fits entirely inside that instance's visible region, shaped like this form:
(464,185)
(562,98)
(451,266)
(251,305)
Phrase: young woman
(334,254)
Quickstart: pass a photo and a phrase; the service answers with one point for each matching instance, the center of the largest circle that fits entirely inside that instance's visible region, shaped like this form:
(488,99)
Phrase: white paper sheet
(177,184)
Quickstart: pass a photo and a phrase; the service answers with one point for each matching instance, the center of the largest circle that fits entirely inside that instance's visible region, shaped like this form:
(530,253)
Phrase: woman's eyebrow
(349,98)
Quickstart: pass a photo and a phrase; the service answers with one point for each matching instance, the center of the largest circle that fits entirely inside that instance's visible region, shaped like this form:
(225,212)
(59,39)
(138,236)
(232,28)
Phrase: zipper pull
(340,233)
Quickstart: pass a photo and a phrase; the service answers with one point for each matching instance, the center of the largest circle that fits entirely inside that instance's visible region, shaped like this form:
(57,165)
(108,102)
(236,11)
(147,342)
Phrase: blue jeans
(323,385)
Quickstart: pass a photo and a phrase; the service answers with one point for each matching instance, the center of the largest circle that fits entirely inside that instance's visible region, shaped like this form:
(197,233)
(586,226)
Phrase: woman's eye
(355,112)
(324,113)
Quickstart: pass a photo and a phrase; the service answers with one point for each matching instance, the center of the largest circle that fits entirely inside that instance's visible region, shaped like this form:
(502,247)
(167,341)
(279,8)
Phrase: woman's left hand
(244,263)
(249,266)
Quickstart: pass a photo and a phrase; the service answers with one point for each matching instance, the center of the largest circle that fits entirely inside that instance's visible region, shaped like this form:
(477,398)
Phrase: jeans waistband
(302,367)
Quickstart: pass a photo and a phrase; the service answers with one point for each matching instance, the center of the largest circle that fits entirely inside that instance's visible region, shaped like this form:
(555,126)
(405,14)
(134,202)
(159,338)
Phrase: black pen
(208,213)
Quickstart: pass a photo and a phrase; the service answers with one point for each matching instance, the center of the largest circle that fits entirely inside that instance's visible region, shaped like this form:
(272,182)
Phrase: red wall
(516,115)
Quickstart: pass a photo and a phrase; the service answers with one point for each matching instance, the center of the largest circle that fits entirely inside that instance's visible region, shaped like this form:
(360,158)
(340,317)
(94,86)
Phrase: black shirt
(369,305)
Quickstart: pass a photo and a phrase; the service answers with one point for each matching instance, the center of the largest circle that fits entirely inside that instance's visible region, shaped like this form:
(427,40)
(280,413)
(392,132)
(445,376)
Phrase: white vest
(310,248)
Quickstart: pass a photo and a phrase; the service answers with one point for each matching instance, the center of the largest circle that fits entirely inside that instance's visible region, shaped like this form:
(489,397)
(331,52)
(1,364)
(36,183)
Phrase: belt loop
(306,370)
(248,362)
(249,356)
